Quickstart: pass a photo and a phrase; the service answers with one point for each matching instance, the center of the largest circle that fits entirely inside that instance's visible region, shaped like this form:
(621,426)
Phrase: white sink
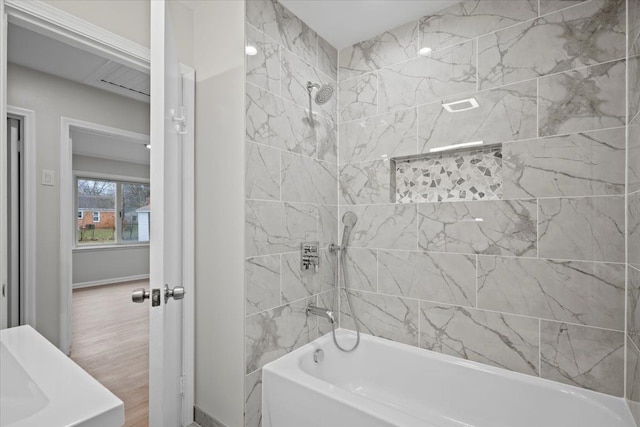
(40,386)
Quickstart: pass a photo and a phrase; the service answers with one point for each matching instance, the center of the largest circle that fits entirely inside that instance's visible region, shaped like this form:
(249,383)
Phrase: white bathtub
(384,383)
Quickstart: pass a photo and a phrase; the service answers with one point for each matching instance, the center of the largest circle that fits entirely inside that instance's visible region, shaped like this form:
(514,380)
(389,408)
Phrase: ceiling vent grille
(123,80)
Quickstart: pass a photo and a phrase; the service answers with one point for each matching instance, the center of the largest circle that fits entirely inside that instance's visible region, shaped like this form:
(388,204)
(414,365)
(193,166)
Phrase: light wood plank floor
(111,342)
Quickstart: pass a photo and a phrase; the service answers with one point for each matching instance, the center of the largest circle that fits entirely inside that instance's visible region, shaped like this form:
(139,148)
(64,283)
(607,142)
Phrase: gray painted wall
(52,97)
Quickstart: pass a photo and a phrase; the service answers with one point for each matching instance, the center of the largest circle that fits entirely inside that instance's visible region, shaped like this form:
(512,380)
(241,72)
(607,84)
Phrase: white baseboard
(110,281)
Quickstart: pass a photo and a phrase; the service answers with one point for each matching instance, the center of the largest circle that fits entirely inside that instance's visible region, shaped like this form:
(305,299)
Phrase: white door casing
(3,167)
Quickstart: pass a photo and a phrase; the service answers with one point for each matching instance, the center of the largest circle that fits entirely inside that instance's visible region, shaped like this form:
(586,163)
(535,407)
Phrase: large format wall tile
(582,356)
(274,333)
(633,233)
(588,34)
(634,88)
(633,154)
(590,228)
(584,164)
(308,180)
(272,121)
(327,224)
(391,47)
(581,100)
(359,97)
(296,73)
(263,68)
(298,284)
(471,18)
(633,372)
(253,399)
(327,58)
(383,316)
(497,339)
(387,226)
(365,182)
(261,283)
(487,227)
(504,114)
(548,6)
(361,269)
(634,27)
(445,73)
(571,291)
(275,227)
(275,20)
(439,277)
(262,172)
(633,304)
(384,136)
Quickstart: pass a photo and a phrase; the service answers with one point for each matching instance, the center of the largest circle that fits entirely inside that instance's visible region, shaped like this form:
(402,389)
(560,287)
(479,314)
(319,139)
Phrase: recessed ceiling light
(250,50)
(425,51)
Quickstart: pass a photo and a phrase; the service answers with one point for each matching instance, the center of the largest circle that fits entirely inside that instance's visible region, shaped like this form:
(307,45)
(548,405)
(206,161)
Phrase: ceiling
(33,50)
(104,146)
(345,22)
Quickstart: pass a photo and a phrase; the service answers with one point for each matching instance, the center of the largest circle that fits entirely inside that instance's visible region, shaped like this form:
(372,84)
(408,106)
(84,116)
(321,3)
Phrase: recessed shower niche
(452,175)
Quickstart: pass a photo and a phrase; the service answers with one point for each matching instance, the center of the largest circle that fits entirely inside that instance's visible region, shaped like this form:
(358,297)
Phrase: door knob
(139,295)
(175,293)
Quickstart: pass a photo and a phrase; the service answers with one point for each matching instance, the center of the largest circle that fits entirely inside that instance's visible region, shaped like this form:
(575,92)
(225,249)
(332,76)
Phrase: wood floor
(111,342)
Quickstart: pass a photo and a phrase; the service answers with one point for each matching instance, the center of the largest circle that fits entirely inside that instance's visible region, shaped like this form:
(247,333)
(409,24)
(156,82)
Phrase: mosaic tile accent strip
(459,175)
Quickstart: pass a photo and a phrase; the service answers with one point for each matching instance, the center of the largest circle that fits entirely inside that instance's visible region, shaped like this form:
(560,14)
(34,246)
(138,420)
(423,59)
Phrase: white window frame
(119,180)
(80,214)
(93,215)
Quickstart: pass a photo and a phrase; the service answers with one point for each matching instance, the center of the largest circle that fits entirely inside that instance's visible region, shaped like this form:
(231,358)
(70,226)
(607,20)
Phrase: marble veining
(262,283)
(327,58)
(297,284)
(584,35)
(275,20)
(505,114)
(365,182)
(462,175)
(588,228)
(497,227)
(389,226)
(362,269)
(262,172)
(633,232)
(383,316)
(633,371)
(380,137)
(446,278)
(633,304)
(582,164)
(471,18)
(263,68)
(253,399)
(308,180)
(358,97)
(581,100)
(388,48)
(582,356)
(445,73)
(572,291)
(548,6)
(497,339)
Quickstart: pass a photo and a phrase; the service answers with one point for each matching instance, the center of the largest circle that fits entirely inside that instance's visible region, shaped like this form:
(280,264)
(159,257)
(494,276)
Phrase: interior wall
(51,98)
(290,185)
(219,326)
(93,266)
(633,212)
(527,273)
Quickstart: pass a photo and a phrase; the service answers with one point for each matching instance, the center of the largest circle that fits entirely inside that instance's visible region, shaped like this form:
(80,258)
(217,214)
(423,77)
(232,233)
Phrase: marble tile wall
(291,181)
(633,212)
(532,279)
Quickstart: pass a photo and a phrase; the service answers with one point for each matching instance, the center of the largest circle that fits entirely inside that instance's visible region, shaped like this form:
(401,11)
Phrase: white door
(3,170)
(166,264)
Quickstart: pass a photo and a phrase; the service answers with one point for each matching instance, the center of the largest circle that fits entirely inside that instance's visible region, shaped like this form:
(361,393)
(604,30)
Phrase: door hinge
(181,385)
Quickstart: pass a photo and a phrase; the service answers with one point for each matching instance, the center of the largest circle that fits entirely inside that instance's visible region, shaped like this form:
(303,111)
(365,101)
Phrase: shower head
(349,219)
(323,93)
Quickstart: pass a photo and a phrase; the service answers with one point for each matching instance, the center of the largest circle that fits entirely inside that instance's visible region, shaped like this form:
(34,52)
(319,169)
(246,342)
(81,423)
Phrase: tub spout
(322,312)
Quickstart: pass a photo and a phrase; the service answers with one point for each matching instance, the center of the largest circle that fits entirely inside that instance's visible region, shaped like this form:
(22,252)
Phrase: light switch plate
(48,178)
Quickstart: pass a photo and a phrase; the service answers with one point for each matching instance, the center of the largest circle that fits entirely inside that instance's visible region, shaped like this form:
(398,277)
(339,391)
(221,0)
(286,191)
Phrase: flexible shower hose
(341,263)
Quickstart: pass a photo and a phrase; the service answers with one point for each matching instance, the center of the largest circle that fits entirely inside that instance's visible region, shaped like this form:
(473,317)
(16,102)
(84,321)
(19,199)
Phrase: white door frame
(28,122)
(59,25)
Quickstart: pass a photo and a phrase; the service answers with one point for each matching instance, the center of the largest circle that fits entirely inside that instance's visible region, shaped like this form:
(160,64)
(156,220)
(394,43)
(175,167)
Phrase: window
(120,212)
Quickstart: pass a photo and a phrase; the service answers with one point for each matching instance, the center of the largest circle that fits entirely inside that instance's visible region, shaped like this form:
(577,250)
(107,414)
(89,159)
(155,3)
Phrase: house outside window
(96,217)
